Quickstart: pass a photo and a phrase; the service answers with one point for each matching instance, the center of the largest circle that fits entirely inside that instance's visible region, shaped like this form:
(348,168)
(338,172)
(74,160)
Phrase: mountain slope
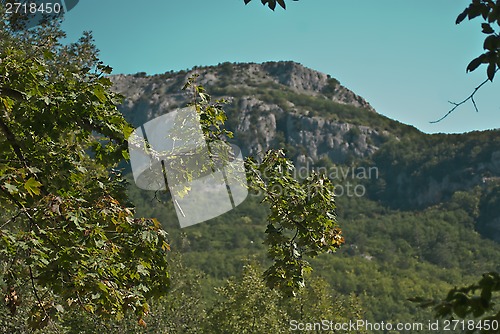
(318,121)
(271,104)
(420,224)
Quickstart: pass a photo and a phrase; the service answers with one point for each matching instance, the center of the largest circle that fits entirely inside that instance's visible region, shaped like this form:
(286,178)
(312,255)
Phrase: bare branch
(470,97)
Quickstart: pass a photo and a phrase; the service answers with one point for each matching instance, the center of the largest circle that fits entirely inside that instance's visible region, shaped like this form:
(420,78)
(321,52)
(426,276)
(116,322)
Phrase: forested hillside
(419,212)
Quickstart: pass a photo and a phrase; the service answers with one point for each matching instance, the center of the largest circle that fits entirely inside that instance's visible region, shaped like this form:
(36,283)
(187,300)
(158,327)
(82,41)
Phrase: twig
(13,143)
(40,304)
(47,316)
(12,219)
(470,97)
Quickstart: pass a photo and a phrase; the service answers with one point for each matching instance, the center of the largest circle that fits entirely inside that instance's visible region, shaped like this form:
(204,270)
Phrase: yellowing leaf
(142,323)
(99,93)
(7,104)
(165,246)
(33,186)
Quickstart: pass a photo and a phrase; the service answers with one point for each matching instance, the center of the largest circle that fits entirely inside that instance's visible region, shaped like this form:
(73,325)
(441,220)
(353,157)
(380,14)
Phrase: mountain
(270,104)
(317,120)
(419,212)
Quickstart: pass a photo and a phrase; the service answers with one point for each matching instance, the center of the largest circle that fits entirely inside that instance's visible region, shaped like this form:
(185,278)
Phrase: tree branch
(470,97)
(12,93)
(13,142)
(12,219)
(35,292)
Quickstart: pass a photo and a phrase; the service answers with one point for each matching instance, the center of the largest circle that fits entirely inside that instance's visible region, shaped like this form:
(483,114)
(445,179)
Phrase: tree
(302,222)
(67,233)
(246,305)
(489,10)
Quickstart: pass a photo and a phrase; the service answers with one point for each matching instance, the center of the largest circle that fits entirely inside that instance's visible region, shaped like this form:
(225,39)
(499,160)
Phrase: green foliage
(331,86)
(226,68)
(245,305)
(271,3)
(430,251)
(489,10)
(66,230)
(328,109)
(487,222)
(212,116)
(302,219)
(409,166)
(475,300)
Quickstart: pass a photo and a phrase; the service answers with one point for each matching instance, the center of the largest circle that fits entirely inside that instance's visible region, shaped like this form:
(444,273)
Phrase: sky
(406,58)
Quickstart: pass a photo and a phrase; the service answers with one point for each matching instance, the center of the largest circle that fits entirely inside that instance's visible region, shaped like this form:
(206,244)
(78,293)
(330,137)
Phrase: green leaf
(10,188)
(491,43)
(270,3)
(107,69)
(475,63)
(102,286)
(7,103)
(492,68)
(487,29)
(462,16)
(33,186)
(99,93)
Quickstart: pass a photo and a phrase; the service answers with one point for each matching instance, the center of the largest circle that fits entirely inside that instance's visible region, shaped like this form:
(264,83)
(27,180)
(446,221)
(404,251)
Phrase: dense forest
(425,221)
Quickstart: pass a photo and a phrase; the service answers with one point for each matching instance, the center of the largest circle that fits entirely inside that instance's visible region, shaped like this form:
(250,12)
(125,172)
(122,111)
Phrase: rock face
(263,126)
(258,123)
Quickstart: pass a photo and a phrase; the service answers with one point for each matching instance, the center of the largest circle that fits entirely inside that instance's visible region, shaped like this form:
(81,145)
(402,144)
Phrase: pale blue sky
(407,58)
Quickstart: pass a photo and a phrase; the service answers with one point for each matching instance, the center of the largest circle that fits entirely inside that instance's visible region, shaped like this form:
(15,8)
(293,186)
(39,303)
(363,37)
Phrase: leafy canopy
(66,229)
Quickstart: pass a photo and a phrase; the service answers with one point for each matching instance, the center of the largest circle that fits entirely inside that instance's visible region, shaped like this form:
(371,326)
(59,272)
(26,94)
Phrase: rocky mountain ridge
(319,121)
(258,123)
